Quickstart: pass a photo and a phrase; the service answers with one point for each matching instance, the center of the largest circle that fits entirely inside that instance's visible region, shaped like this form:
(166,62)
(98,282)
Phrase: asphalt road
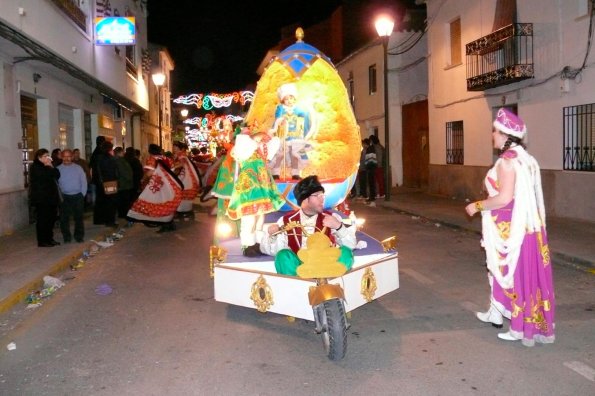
(160,331)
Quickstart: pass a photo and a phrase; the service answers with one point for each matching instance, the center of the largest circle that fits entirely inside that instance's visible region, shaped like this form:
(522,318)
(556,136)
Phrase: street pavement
(23,265)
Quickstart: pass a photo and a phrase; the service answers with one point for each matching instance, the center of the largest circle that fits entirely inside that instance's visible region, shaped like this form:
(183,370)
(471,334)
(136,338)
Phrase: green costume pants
(286,261)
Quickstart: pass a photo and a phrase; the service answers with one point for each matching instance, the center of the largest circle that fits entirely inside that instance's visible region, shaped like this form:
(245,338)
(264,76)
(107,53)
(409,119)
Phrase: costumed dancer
(254,192)
(223,187)
(294,126)
(187,173)
(161,193)
(309,195)
(515,239)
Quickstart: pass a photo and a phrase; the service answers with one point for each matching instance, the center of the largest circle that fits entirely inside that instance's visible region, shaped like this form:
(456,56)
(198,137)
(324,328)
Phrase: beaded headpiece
(509,123)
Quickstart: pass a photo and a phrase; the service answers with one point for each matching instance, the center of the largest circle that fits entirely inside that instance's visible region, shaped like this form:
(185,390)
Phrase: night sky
(217,45)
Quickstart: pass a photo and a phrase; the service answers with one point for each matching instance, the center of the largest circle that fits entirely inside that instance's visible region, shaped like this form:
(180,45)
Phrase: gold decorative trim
(261,294)
(216,254)
(368,285)
(389,243)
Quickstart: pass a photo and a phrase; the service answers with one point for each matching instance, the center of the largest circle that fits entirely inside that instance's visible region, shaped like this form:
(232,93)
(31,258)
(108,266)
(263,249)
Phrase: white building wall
(405,85)
(43,23)
(559,40)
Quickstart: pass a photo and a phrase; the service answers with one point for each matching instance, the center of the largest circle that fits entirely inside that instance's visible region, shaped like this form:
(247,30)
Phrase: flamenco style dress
(517,253)
(188,175)
(160,197)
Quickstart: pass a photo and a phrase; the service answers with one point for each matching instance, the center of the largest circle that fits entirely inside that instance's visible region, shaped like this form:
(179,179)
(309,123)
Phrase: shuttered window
(455,42)
(372,80)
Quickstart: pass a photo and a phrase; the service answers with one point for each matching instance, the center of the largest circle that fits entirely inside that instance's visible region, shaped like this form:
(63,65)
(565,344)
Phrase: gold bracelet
(479,206)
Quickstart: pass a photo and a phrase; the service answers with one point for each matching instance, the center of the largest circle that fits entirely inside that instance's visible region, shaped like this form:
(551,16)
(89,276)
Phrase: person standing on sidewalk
(104,170)
(371,165)
(95,184)
(44,196)
(73,185)
(125,183)
(76,158)
(515,239)
(381,168)
(137,172)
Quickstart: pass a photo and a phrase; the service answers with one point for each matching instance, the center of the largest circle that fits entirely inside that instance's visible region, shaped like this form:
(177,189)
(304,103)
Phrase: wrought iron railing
(579,137)
(500,58)
(455,153)
(72,10)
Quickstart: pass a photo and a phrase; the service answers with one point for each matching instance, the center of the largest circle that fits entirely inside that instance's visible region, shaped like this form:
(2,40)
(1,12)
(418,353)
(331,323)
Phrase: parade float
(321,294)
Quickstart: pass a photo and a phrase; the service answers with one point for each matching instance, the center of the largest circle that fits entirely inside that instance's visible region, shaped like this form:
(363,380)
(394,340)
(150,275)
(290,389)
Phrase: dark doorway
(416,145)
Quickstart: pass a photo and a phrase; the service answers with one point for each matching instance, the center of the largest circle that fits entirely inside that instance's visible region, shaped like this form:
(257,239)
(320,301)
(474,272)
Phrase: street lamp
(384,26)
(158,80)
(184,113)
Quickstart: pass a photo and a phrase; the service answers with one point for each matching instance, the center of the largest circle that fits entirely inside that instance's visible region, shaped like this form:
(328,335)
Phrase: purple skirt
(530,304)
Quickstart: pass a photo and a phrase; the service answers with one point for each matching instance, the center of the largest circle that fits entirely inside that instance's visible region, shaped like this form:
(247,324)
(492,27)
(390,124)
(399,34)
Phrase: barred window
(455,153)
(372,79)
(579,137)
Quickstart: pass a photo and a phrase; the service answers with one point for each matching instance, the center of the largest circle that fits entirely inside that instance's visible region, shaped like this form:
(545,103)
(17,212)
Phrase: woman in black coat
(44,196)
(105,169)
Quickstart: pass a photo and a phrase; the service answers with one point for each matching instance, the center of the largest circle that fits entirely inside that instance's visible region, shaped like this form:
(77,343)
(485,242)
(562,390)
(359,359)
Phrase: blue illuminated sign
(115,31)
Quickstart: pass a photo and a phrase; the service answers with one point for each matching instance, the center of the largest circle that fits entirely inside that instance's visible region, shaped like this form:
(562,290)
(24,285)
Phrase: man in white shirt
(309,194)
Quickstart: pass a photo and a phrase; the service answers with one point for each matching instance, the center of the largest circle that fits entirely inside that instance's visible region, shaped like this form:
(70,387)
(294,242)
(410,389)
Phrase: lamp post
(384,26)
(158,80)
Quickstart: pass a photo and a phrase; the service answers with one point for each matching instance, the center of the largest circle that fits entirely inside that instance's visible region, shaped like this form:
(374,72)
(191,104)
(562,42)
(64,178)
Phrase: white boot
(492,316)
(507,336)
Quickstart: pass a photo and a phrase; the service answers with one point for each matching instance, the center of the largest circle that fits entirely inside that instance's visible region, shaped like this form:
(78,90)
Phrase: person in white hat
(294,126)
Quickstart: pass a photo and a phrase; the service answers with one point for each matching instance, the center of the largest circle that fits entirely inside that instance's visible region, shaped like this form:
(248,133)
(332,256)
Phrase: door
(416,145)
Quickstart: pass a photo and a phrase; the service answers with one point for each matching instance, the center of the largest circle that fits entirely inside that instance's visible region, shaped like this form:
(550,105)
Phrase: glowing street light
(184,113)
(158,80)
(384,26)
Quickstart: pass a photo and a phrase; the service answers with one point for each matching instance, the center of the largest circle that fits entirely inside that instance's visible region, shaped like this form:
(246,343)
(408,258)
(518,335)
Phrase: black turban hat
(306,187)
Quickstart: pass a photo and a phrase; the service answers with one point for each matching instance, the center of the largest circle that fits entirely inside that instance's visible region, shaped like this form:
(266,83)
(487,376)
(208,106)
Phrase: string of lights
(215,100)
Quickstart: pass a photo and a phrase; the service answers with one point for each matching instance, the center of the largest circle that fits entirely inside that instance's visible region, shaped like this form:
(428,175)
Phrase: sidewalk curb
(36,282)
(559,258)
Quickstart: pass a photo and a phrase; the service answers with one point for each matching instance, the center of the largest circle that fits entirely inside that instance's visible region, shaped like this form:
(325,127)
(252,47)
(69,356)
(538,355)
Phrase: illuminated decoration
(215,100)
(115,31)
(211,120)
(336,142)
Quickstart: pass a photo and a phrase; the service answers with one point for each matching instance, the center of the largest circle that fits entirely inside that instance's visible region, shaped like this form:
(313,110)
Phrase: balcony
(500,58)
(72,10)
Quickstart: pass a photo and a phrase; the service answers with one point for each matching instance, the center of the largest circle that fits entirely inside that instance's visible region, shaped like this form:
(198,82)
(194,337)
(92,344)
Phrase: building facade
(156,126)
(61,90)
(363,74)
(485,54)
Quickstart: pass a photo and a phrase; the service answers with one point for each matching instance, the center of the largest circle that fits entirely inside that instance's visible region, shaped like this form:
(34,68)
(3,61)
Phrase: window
(372,80)
(130,61)
(72,9)
(351,89)
(455,153)
(579,137)
(455,42)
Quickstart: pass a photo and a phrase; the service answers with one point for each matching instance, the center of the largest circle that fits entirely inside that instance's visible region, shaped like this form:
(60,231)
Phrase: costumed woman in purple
(309,194)
(161,193)
(515,239)
(254,192)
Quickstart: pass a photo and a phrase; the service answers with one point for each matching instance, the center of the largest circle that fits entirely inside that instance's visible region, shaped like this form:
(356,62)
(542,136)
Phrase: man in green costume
(309,194)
